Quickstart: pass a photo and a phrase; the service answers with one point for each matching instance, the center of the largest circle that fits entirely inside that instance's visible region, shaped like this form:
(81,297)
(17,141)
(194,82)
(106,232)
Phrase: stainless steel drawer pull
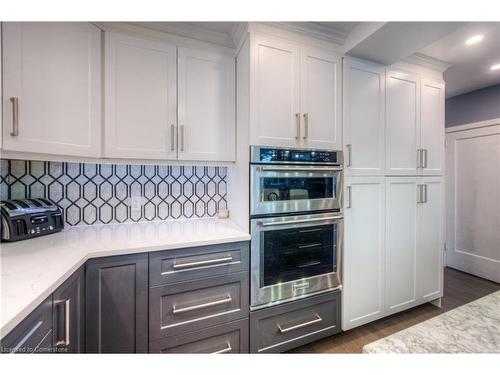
(288,222)
(67,323)
(227,349)
(349,195)
(297,119)
(172,137)
(293,328)
(182,137)
(202,263)
(306,125)
(424,191)
(349,155)
(424,157)
(299,169)
(310,245)
(224,301)
(15,117)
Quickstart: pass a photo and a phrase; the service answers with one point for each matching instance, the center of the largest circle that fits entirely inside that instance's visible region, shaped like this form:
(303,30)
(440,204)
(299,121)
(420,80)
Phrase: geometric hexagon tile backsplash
(103,193)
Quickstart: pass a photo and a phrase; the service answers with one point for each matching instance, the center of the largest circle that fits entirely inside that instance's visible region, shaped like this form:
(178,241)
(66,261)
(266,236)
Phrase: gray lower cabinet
(192,305)
(225,338)
(117,304)
(68,314)
(33,334)
(286,326)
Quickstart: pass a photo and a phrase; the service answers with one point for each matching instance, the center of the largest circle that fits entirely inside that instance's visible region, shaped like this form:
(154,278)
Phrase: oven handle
(287,222)
(299,169)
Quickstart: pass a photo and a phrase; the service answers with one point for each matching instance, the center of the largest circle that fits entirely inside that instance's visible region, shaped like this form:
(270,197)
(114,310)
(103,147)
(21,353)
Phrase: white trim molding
(472,125)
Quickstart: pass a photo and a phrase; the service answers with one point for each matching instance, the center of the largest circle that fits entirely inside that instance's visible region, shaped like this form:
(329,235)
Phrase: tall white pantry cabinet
(393,133)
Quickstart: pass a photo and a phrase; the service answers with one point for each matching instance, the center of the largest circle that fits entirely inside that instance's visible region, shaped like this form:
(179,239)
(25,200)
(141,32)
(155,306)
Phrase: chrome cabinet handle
(227,349)
(420,198)
(15,117)
(224,301)
(182,137)
(297,119)
(424,158)
(419,158)
(67,325)
(349,155)
(172,137)
(286,222)
(424,193)
(348,191)
(201,263)
(306,126)
(293,328)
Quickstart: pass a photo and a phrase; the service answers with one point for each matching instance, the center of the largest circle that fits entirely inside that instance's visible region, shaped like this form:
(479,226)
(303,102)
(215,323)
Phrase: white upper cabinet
(275,93)
(402,123)
(52,88)
(169,102)
(294,95)
(364,255)
(401,243)
(320,99)
(364,118)
(206,87)
(431,238)
(141,98)
(432,127)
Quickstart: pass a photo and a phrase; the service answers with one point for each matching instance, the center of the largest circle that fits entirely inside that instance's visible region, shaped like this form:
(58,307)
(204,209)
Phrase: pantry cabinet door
(274,93)
(430,243)
(52,88)
(401,243)
(432,127)
(364,118)
(207,89)
(363,286)
(141,98)
(402,123)
(320,99)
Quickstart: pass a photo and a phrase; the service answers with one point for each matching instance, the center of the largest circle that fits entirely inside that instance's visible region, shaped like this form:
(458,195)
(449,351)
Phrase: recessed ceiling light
(475,39)
(495,67)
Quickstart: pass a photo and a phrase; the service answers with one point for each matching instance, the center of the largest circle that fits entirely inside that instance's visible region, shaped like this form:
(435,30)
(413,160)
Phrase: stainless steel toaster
(27,218)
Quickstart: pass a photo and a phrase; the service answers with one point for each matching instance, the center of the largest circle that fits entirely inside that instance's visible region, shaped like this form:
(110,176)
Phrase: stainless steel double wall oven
(296,223)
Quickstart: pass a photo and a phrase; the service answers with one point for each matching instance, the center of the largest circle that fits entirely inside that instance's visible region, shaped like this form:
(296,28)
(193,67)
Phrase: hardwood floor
(459,288)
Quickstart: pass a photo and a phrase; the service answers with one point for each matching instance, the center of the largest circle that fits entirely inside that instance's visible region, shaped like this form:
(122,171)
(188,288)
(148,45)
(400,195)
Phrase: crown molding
(189,30)
(238,34)
(427,62)
(312,30)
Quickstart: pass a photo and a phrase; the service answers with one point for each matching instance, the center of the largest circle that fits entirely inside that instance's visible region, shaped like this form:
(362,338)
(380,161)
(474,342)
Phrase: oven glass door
(295,255)
(277,189)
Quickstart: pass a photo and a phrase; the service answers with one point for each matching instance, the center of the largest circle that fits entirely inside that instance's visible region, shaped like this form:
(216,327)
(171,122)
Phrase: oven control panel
(281,155)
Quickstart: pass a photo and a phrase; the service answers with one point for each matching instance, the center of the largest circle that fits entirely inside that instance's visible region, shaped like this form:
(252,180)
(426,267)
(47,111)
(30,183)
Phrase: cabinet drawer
(173,266)
(189,306)
(225,338)
(280,328)
(33,334)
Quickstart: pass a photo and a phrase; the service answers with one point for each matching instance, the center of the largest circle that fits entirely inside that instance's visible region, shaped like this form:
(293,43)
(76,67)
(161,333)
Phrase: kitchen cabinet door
(207,89)
(320,99)
(401,243)
(274,93)
(117,304)
(402,123)
(430,249)
(52,88)
(68,312)
(141,98)
(364,118)
(432,127)
(364,231)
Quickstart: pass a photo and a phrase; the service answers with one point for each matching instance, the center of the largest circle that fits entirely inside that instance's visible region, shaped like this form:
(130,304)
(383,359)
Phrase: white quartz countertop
(33,269)
(471,328)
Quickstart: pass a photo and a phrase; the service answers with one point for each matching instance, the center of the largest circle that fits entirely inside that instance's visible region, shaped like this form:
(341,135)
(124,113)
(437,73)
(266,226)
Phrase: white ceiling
(470,64)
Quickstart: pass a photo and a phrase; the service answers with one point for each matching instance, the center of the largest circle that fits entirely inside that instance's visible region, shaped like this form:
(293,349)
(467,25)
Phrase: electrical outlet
(136,203)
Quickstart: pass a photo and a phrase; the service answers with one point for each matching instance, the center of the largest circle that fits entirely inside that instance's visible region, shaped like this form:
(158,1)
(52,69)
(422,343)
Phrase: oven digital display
(269,155)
